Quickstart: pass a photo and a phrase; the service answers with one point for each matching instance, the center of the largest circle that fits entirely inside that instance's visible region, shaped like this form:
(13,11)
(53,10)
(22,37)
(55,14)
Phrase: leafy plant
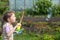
(48,37)
(3,7)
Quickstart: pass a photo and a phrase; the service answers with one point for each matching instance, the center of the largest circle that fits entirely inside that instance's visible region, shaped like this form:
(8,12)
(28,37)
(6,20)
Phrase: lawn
(25,36)
(33,36)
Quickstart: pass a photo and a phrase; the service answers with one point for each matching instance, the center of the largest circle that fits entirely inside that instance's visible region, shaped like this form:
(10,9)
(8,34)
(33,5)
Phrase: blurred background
(41,19)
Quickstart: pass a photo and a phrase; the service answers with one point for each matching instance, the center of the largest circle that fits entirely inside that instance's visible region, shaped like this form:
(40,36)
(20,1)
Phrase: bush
(3,7)
(48,37)
(56,36)
(56,11)
(42,6)
(30,12)
(18,15)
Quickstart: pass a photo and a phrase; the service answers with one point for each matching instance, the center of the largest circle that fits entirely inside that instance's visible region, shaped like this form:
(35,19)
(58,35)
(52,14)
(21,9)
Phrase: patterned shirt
(6,28)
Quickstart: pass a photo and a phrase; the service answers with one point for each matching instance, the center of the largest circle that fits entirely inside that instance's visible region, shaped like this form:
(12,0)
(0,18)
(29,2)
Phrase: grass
(33,36)
(25,36)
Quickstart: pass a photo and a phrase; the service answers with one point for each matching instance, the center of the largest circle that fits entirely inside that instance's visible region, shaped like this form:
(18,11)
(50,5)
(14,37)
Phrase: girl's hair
(7,15)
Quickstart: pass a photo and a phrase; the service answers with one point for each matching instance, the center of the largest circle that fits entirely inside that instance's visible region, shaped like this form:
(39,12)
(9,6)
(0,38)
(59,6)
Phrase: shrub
(3,7)
(48,37)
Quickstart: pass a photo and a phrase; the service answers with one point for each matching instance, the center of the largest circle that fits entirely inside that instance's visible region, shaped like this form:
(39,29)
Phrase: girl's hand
(18,24)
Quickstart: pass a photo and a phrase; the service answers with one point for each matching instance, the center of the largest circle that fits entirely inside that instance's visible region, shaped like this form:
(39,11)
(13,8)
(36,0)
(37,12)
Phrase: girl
(8,29)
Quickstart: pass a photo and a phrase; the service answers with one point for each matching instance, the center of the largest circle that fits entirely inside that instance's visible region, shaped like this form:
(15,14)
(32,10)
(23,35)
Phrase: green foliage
(56,11)
(42,6)
(58,29)
(18,15)
(56,35)
(3,7)
(30,12)
(4,0)
(48,37)
(25,36)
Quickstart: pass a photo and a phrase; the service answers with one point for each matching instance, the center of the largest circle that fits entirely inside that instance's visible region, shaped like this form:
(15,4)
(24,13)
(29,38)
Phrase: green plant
(3,7)
(42,6)
(57,36)
(55,11)
(58,29)
(18,15)
(48,37)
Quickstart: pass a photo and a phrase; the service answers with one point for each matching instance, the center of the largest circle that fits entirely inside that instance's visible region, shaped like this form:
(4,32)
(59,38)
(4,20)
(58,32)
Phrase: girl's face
(12,18)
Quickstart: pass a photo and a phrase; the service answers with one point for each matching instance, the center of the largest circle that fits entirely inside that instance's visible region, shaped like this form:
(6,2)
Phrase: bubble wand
(18,28)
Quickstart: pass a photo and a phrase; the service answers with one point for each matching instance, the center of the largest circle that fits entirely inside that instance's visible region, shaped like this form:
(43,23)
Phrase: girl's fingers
(19,24)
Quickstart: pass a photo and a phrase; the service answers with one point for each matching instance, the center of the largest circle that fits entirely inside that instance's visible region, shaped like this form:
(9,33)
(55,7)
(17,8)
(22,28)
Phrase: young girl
(8,29)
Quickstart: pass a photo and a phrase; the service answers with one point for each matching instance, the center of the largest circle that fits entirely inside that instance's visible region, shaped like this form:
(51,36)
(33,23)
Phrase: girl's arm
(11,31)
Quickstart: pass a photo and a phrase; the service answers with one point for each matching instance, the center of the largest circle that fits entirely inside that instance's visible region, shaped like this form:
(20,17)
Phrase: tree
(56,11)
(3,7)
(4,0)
(42,6)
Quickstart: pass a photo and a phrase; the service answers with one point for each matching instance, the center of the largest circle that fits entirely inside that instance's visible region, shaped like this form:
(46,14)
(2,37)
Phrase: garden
(34,22)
